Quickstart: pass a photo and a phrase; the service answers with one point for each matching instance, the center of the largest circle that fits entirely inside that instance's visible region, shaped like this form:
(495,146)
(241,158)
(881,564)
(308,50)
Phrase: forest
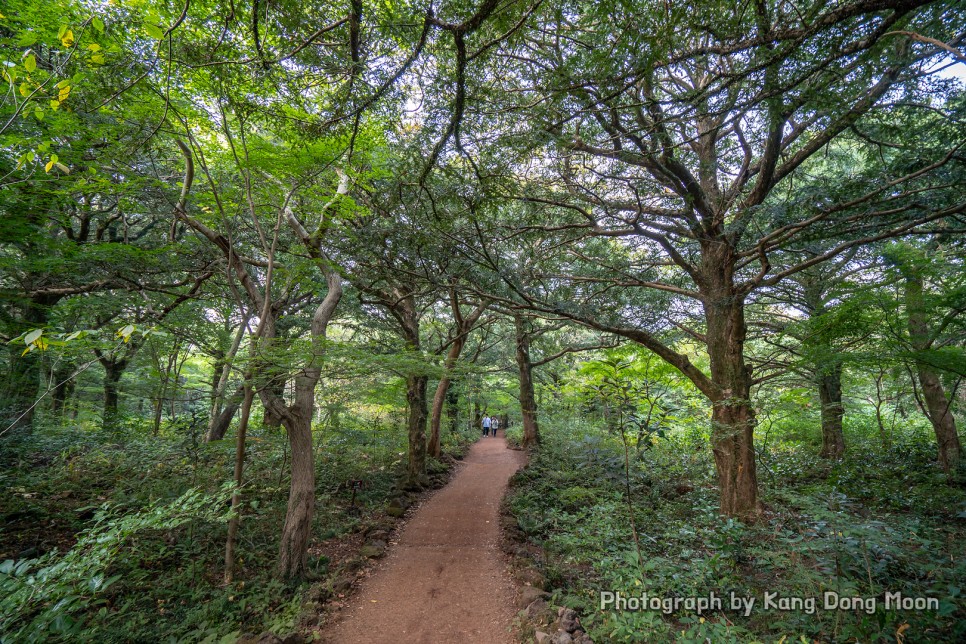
(268,269)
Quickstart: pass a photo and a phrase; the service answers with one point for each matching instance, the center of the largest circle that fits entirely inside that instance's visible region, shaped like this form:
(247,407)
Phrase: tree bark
(826,366)
(436,416)
(218,429)
(528,403)
(732,416)
(830,395)
(416,426)
(113,371)
(297,419)
(937,405)
(248,398)
(271,418)
(220,376)
(63,388)
(463,328)
(402,305)
(301,496)
(453,406)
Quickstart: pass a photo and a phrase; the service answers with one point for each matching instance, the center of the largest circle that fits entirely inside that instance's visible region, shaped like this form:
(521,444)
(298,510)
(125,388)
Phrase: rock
(293,638)
(581,637)
(341,584)
(373,549)
(561,637)
(269,637)
(529,594)
(397,507)
(310,620)
(531,577)
(418,484)
(541,638)
(539,613)
(568,620)
(247,638)
(378,535)
(318,593)
(354,564)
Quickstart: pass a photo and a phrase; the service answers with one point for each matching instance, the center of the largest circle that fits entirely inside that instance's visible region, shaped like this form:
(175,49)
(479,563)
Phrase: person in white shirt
(486,425)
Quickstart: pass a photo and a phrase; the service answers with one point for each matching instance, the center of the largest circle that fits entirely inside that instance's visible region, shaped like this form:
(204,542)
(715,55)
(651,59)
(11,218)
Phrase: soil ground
(445,579)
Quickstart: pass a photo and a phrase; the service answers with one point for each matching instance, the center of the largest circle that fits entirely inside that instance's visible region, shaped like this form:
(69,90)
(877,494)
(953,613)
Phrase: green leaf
(30,63)
(33,336)
(154,31)
(98,24)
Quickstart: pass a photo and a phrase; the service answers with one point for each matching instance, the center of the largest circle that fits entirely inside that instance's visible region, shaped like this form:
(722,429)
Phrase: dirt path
(445,579)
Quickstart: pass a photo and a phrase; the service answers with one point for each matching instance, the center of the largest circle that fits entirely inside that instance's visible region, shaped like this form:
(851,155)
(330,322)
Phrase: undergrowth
(881,520)
(166,577)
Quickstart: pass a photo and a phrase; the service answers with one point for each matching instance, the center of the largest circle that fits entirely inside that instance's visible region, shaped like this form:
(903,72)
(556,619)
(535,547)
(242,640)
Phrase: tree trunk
(158,413)
(453,407)
(297,419)
(528,403)
(220,376)
(941,417)
(249,397)
(827,368)
(113,370)
(301,497)
(62,384)
(23,384)
(732,416)
(463,328)
(830,394)
(270,418)
(436,417)
(219,427)
(937,405)
(416,401)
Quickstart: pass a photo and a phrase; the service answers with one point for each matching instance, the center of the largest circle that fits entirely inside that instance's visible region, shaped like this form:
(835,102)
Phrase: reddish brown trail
(445,580)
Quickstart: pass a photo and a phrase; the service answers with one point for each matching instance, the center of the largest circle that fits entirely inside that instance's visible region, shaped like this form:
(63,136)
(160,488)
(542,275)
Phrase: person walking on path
(495,424)
(486,425)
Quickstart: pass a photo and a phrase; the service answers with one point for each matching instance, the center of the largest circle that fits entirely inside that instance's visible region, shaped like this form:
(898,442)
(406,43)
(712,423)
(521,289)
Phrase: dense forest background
(264,266)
